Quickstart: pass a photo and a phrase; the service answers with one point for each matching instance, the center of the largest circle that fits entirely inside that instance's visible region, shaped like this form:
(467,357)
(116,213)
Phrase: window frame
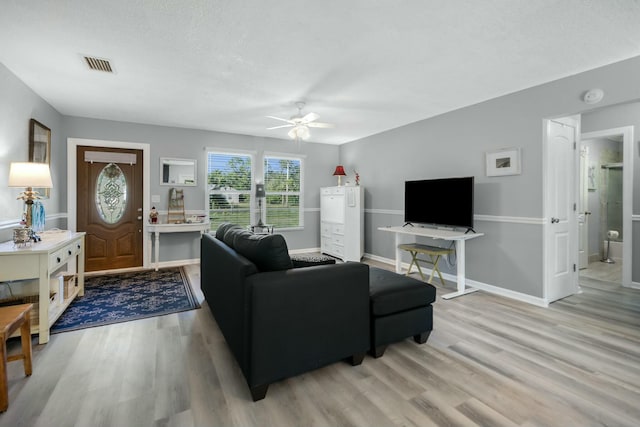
(300,193)
(250,193)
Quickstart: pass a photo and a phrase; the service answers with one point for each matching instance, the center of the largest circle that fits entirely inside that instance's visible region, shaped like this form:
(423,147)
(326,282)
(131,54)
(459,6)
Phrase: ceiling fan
(300,124)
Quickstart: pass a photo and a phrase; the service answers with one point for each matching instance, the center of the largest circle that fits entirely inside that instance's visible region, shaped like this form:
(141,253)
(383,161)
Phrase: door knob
(587,213)
(555,220)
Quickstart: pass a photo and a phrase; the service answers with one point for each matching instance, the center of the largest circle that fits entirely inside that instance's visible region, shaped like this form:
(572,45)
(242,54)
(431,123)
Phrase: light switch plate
(155,198)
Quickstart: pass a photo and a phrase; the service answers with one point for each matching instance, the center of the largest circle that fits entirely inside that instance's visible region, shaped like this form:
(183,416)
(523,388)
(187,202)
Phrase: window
(229,180)
(283,186)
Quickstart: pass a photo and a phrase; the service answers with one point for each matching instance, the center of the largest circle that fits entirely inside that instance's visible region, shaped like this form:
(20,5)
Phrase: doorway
(73,185)
(109,206)
(607,207)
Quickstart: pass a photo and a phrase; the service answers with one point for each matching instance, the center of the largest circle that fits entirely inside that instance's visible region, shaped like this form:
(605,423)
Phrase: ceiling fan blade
(292,133)
(281,126)
(320,125)
(310,117)
(281,119)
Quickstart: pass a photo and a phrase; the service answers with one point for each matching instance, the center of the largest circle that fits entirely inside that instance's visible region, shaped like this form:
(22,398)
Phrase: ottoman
(400,307)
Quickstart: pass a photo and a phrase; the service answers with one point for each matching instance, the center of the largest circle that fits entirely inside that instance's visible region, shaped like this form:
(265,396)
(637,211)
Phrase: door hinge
(574,268)
(574,145)
(574,207)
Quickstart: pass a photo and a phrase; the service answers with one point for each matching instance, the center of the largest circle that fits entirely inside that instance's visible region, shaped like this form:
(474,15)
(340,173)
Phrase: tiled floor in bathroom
(603,271)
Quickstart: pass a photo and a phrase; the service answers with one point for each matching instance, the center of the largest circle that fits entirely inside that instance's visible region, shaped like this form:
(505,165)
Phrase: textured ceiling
(364,65)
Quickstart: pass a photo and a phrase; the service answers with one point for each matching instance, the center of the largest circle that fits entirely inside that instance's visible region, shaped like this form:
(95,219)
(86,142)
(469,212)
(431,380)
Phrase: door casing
(72,144)
(627,194)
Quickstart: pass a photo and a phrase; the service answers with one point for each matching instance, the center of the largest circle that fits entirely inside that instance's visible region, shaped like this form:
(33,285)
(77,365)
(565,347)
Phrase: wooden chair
(11,318)
(434,254)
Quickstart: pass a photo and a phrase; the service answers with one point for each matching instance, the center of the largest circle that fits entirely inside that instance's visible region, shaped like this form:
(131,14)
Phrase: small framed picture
(505,161)
(40,148)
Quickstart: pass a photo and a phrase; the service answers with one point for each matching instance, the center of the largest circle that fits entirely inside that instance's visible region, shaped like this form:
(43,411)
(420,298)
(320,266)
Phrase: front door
(561,228)
(109,204)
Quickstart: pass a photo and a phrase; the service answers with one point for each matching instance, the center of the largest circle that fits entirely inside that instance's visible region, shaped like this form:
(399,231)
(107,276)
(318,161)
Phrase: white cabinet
(342,222)
(41,261)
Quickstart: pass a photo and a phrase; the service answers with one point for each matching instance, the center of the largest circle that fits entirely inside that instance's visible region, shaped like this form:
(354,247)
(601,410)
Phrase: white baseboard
(304,251)
(507,293)
(634,285)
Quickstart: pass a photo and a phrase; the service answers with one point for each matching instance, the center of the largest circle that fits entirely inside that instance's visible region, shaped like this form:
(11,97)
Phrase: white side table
(156,229)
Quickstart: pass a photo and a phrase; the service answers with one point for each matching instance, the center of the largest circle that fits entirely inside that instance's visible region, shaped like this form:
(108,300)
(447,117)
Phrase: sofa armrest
(302,319)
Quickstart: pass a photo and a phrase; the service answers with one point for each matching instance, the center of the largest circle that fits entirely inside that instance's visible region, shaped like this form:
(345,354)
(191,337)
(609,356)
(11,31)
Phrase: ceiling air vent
(98,64)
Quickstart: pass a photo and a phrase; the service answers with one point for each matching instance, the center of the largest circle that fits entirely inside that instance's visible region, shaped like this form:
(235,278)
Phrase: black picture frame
(40,148)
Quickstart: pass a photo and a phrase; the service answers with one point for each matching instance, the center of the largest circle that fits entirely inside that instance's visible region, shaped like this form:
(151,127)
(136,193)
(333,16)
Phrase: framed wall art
(40,148)
(505,161)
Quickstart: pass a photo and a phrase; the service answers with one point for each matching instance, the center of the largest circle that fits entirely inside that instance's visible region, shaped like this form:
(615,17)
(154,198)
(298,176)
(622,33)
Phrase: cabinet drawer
(75,247)
(338,229)
(61,256)
(338,250)
(57,258)
(338,240)
(325,229)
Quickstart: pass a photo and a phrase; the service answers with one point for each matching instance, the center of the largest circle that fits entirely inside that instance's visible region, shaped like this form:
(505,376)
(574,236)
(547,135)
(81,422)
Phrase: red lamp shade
(339,171)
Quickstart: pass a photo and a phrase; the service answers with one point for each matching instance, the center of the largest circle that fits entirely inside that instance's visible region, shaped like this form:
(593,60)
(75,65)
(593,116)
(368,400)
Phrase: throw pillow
(230,235)
(223,228)
(268,252)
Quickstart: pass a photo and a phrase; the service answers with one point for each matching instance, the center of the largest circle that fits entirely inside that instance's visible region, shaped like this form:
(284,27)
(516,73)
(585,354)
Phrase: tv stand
(407,223)
(408,235)
(470,230)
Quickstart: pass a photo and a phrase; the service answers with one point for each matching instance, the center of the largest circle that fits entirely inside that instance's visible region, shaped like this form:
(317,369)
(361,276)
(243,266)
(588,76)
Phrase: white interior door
(583,210)
(561,231)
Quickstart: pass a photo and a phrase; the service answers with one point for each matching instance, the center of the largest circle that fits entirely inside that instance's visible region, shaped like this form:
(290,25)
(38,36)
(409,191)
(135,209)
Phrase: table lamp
(29,175)
(260,194)
(339,172)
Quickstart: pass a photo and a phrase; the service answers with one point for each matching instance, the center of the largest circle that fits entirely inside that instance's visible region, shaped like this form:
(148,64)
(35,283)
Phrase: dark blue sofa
(280,321)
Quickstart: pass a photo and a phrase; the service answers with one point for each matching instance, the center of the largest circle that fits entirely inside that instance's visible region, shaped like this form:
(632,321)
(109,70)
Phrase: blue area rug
(128,296)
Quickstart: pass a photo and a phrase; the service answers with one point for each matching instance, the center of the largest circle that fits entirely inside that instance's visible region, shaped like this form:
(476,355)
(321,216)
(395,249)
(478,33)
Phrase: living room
(508,261)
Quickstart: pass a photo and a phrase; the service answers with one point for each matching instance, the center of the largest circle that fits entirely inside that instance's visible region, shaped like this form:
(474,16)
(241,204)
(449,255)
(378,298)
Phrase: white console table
(408,234)
(41,261)
(156,229)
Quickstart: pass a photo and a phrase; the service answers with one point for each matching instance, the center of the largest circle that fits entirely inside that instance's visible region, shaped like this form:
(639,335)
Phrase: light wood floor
(490,361)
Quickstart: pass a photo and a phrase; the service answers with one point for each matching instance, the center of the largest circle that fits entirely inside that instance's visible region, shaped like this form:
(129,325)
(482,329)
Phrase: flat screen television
(442,202)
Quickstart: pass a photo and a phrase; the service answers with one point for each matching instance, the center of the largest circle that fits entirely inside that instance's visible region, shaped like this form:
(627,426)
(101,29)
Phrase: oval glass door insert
(111,193)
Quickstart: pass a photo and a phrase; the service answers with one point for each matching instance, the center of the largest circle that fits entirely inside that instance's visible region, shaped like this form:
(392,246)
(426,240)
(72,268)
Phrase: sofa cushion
(268,252)
(231,233)
(392,293)
(223,228)
(310,260)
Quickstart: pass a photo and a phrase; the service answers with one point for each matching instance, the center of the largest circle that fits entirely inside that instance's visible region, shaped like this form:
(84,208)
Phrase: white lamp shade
(299,132)
(27,174)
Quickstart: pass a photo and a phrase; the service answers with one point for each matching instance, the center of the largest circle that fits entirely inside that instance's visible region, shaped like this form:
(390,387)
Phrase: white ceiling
(364,65)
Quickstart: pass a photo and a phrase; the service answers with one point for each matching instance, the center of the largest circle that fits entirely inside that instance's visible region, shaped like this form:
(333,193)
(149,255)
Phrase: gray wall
(320,161)
(454,144)
(19,104)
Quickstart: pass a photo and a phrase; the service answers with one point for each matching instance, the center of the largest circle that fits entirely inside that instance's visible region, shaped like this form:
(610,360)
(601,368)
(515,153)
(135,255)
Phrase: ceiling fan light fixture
(299,132)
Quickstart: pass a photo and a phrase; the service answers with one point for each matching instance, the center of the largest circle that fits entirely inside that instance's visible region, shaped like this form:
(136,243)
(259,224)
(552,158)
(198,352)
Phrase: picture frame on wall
(503,162)
(40,148)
